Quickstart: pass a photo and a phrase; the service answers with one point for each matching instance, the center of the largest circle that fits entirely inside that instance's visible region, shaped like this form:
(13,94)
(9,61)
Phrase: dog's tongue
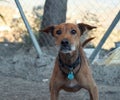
(70,76)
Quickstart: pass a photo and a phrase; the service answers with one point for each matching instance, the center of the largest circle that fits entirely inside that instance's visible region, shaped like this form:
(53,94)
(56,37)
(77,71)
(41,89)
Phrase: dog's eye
(58,32)
(73,32)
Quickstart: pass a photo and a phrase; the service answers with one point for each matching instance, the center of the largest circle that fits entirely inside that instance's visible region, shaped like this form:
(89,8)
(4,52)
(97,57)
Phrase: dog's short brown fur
(67,37)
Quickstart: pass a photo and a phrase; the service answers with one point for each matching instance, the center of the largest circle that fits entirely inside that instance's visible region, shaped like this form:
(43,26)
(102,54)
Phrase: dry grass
(14,30)
(18,32)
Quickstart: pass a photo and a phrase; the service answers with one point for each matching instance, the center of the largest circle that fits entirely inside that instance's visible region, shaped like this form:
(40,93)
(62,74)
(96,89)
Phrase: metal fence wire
(99,13)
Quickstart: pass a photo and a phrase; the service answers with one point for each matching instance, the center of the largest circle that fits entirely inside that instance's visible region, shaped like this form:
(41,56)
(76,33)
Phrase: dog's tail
(86,41)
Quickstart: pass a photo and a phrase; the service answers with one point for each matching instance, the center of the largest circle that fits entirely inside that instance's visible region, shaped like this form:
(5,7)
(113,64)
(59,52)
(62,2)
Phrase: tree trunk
(54,13)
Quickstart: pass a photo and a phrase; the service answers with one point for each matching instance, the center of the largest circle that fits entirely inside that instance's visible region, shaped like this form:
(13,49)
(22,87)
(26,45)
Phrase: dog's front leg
(93,92)
(92,88)
(54,90)
(54,94)
(89,84)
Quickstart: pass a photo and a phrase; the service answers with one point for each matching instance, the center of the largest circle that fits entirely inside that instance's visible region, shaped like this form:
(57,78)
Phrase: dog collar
(71,73)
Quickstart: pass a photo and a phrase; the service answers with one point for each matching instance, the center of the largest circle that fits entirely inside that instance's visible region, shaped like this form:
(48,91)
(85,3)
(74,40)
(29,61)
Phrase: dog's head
(67,35)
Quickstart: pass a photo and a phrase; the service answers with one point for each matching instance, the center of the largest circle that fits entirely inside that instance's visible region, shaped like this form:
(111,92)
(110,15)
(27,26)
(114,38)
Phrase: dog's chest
(72,83)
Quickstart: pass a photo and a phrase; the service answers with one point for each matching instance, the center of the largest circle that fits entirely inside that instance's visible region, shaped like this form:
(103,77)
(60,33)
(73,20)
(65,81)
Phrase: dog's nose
(65,42)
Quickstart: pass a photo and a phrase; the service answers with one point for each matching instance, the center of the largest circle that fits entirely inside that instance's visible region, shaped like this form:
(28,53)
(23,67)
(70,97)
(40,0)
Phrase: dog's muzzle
(65,46)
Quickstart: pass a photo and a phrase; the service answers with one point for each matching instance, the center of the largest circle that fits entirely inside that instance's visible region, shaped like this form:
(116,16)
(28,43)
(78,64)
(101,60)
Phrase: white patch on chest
(72,83)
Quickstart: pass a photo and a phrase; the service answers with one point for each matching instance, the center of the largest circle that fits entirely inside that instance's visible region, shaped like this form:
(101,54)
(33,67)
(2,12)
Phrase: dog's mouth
(67,48)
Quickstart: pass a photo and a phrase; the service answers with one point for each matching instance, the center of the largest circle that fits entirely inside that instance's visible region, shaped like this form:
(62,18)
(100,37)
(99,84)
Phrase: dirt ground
(23,76)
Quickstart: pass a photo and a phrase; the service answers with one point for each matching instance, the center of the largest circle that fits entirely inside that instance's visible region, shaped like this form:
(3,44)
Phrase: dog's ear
(48,29)
(85,27)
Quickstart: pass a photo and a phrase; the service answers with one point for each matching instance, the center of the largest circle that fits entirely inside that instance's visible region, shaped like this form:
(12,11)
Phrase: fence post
(35,43)
(102,41)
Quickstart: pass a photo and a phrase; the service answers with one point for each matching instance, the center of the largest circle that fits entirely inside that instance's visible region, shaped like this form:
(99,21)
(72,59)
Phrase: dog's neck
(69,58)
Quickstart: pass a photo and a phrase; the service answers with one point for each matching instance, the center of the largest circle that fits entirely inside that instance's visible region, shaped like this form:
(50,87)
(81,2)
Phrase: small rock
(45,80)
(5,44)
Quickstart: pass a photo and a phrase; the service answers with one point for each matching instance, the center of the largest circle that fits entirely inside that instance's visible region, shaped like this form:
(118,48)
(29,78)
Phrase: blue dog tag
(70,76)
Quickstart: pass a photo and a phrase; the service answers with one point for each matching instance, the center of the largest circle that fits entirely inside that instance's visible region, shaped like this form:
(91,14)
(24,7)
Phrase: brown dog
(71,71)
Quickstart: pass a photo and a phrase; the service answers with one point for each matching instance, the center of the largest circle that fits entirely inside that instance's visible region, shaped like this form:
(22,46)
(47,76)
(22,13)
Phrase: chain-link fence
(97,13)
